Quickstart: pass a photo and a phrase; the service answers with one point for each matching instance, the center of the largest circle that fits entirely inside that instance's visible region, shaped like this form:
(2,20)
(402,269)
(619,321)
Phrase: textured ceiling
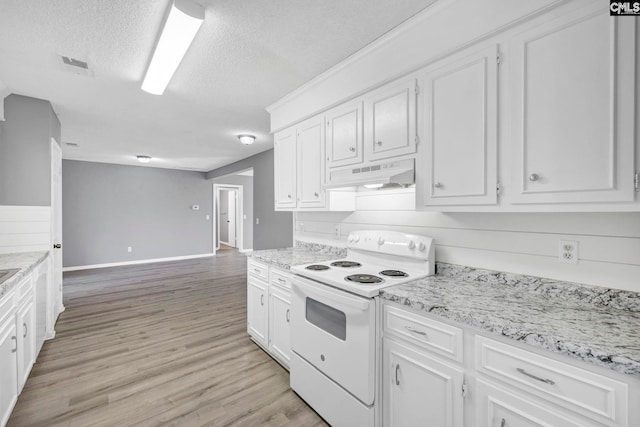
(247,55)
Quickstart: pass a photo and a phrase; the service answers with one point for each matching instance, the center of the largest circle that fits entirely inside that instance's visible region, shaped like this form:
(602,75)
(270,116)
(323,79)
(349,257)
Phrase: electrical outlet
(568,251)
(129,249)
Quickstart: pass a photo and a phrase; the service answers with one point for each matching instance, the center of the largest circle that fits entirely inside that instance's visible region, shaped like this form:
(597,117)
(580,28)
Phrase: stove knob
(422,246)
(356,238)
(411,244)
(380,241)
(350,239)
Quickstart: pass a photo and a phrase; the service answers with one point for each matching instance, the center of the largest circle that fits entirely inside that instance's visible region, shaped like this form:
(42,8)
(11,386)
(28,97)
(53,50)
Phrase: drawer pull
(256,270)
(281,280)
(415,331)
(262,299)
(544,380)
(16,347)
(25,330)
(397,379)
(288,318)
(503,423)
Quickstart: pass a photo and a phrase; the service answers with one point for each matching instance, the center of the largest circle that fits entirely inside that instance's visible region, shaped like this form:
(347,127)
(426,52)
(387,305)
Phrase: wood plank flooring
(158,344)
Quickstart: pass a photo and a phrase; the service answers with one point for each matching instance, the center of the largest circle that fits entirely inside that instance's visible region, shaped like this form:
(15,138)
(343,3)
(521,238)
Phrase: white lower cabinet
(420,390)
(268,313)
(494,382)
(9,368)
(25,325)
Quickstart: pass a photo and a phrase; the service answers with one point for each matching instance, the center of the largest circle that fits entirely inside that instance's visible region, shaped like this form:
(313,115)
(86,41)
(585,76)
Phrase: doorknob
(57,246)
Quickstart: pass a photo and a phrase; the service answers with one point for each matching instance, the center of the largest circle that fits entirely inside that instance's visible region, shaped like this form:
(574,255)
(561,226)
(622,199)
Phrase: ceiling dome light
(246,139)
(144,159)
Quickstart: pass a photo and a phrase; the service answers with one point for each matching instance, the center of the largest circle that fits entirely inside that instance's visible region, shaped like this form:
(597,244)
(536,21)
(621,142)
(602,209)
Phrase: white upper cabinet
(310,149)
(572,109)
(284,144)
(390,120)
(461,120)
(344,135)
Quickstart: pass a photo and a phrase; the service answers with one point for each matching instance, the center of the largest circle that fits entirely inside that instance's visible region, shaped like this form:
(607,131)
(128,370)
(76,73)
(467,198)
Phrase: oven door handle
(343,302)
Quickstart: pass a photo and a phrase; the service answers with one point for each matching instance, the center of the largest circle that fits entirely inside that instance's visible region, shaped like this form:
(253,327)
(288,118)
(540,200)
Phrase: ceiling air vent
(75,66)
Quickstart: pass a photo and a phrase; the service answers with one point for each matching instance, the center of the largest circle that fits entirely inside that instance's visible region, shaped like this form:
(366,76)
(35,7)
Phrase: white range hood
(384,172)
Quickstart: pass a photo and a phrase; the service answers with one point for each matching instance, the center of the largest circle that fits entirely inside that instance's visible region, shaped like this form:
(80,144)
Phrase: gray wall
(25,151)
(276,228)
(106,208)
(247,204)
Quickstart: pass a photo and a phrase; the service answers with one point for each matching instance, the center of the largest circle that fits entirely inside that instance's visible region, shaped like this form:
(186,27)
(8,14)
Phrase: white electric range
(334,313)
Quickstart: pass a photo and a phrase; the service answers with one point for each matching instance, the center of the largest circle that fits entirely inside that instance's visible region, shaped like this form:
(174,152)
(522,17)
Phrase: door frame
(239,215)
(55,304)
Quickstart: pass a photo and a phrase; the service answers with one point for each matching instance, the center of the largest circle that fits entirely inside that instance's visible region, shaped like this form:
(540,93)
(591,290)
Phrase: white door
(280,324)
(572,109)
(285,175)
(390,120)
(9,371)
(461,97)
(310,148)
(343,143)
(419,390)
(231,218)
(257,311)
(56,229)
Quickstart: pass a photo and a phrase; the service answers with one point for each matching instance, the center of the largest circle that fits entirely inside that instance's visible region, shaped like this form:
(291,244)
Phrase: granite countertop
(301,253)
(590,323)
(25,261)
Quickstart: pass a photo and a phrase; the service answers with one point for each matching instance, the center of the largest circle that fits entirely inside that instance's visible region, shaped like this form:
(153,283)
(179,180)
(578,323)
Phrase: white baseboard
(141,261)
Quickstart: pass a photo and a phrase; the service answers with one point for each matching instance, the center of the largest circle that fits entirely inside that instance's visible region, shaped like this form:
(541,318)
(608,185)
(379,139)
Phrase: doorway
(228,217)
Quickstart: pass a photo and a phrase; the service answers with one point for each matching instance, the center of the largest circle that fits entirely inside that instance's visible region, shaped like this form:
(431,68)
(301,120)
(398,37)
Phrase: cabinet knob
(534,177)
(352,149)
(316,194)
(379,142)
(438,184)
(289,195)
(503,423)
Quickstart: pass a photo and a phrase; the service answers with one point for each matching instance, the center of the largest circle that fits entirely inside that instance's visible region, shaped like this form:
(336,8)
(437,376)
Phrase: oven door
(335,331)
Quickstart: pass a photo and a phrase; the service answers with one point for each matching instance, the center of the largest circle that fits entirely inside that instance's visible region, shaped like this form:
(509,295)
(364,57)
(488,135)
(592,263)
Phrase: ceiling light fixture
(246,139)
(180,28)
(144,159)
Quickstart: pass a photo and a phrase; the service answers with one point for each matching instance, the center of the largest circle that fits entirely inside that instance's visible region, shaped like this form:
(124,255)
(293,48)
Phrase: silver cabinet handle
(379,142)
(503,423)
(316,194)
(25,330)
(281,280)
(287,315)
(256,270)
(261,299)
(535,377)
(438,184)
(352,149)
(534,177)
(289,195)
(415,331)
(397,379)
(14,338)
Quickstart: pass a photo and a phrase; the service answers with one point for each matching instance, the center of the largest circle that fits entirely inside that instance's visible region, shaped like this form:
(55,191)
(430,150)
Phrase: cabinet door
(284,144)
(344,135)
(497,407)
(461,98)
(390,120)
(279,326)
(8,368)
(25,324)
(257,311)
(310,148)
(572,105)
(419,390)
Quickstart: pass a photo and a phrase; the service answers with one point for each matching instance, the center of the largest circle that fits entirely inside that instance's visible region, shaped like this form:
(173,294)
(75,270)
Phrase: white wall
(24,228)
(525,243)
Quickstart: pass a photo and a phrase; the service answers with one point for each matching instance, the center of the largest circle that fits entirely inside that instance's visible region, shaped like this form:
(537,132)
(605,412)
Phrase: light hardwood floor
(158,344)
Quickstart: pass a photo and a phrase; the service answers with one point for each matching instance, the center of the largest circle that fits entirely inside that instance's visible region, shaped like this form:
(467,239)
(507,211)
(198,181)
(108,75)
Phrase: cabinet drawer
(280,278)
(585,392)
(441,338)
(258,269)
(7,304)
(24,286)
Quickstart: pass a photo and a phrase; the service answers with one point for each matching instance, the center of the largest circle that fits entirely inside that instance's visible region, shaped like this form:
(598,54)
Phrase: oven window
(327,318)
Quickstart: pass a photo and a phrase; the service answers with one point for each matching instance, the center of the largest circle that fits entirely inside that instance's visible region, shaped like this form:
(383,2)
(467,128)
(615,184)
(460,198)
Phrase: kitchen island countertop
(590,323)
(25,261)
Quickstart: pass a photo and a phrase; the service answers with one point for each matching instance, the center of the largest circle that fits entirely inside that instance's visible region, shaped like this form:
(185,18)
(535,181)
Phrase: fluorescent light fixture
(143,159)
(371,186)
(183,22)
(246,139)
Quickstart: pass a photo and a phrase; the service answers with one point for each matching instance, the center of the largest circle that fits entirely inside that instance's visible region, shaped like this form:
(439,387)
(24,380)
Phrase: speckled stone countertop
(25,261)
(590,323)
(301,253)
